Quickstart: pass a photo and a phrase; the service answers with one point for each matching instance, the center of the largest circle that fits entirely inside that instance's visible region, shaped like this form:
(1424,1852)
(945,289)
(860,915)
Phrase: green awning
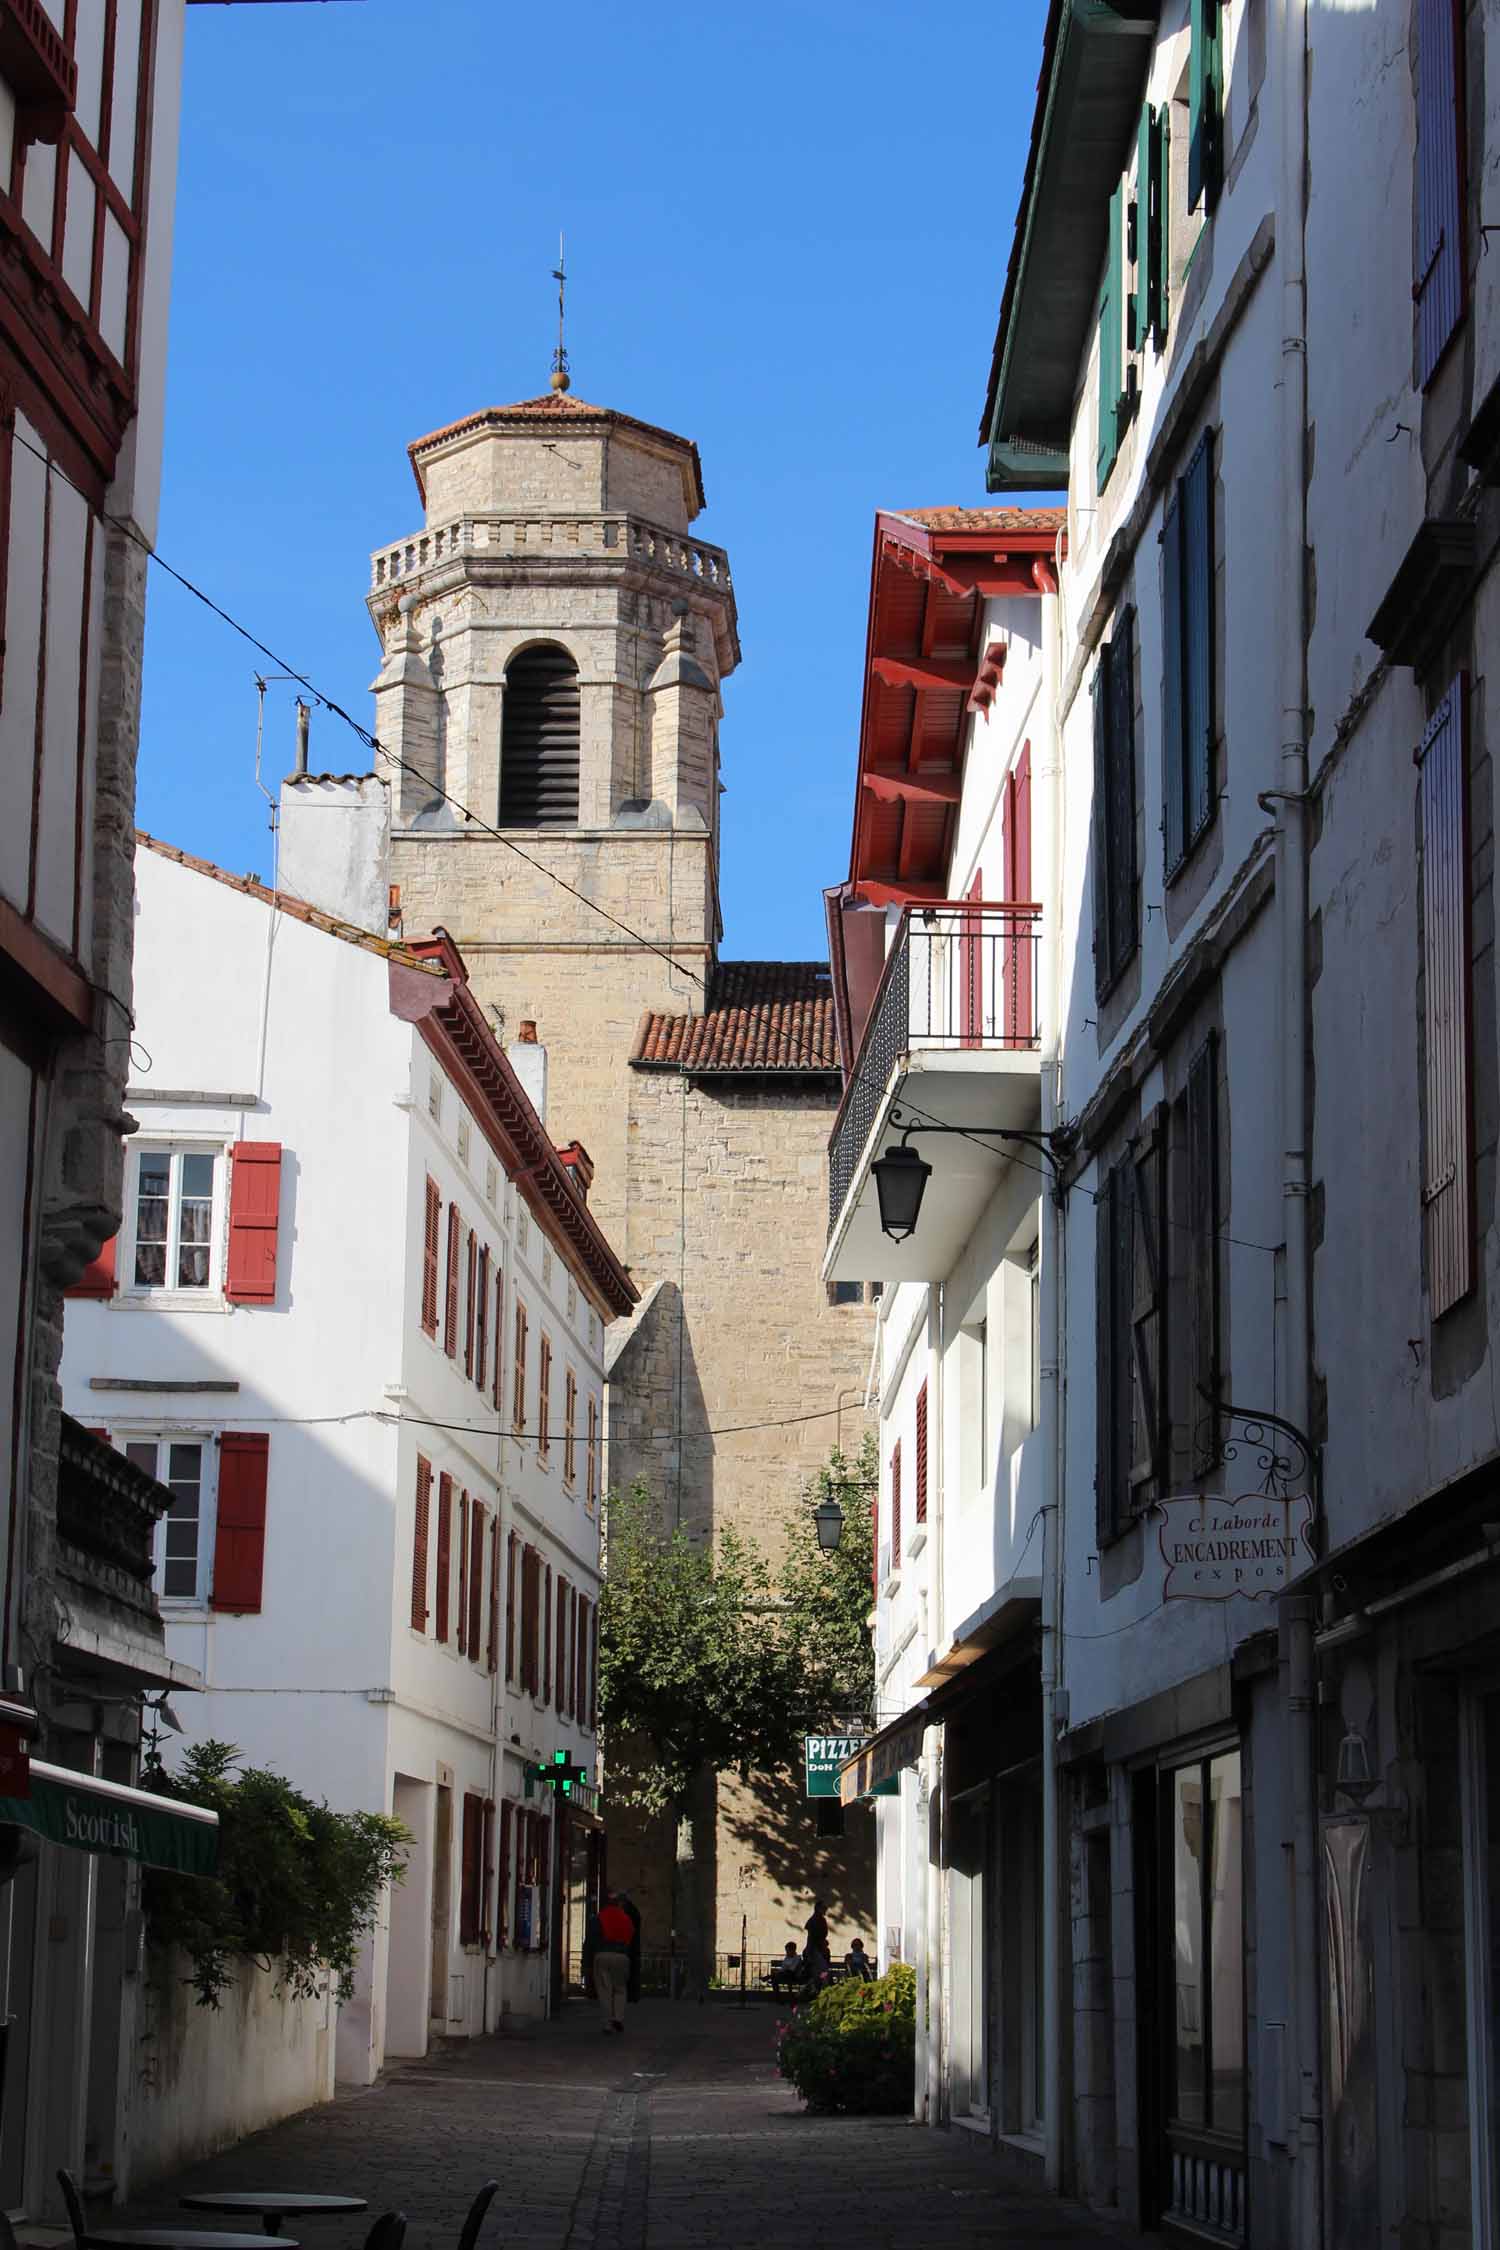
(89,1815)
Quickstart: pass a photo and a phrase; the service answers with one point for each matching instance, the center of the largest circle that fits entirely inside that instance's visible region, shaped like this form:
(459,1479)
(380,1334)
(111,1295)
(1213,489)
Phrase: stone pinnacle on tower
(560,376)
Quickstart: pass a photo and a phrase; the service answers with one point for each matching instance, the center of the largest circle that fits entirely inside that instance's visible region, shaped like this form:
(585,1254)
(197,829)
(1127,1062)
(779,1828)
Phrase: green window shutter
(1162,199)
(1173,836)
(1198,635)
(1205,107)
(1111,316)
(1104,919)
(1151,229)
(1142,320)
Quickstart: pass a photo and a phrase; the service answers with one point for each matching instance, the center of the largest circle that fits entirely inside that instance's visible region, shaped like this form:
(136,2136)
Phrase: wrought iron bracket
(1046,1144)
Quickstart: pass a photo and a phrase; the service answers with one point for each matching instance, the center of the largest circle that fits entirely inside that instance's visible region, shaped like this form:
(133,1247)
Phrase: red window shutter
(461,1631)
(476,1574)
(444,1553)
(430,1230)
(486,1872)
(570,1428)
(518,1404)
(98,1279)
(543,1881)
(547,1637)
(507,1823)
(528,1618)
(240,1526)
(1448,1170)
(495,1393)
(592,1464)
(594,1666)
(469,1271)
(512,1547)
(492,1653)
(419,1545)
(560,1689)
(921,1491)
(469,1881)
(254,1208)
(482,1319)
(1440,285)
(544,1399)
(450,1323)
(1019,1028)
(896,1506)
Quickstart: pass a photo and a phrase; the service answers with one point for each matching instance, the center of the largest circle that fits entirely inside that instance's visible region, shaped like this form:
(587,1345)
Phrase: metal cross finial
(560,378)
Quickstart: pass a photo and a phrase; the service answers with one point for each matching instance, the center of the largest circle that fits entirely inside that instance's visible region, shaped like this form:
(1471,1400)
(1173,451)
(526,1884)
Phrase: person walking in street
(607,1945)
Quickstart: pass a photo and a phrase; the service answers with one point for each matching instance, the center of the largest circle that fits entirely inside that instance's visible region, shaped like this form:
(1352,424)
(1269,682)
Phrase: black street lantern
(901,1179)
(829,1518)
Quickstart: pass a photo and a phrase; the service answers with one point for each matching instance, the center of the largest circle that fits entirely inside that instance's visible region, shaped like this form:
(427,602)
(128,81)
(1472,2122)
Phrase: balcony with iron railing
(953,1040)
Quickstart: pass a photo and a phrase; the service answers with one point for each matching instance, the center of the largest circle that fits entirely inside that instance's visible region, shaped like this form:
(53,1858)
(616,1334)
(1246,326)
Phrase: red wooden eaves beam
(922,672)
(893,785)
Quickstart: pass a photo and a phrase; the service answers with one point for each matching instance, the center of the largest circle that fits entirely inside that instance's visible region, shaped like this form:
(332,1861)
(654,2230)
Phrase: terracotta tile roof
(760,1016)
(283,901)
(552,407)
(984,519)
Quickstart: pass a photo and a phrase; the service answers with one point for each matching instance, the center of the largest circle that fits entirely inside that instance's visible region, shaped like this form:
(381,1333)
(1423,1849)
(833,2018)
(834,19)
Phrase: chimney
(528,1059)
(333,841)
(580,1168)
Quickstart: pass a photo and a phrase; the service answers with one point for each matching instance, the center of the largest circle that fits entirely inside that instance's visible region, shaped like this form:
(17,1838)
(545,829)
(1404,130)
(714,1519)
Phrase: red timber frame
(926,673)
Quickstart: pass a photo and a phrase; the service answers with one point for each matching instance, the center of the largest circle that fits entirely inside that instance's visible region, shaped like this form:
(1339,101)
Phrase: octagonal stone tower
(554,641)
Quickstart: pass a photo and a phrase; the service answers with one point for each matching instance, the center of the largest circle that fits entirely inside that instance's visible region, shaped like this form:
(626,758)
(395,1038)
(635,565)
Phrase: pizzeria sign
(1217,1545)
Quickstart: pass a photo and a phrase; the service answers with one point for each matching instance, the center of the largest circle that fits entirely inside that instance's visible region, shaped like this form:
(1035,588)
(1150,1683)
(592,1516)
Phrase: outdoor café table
(273,2208)
(178,2238)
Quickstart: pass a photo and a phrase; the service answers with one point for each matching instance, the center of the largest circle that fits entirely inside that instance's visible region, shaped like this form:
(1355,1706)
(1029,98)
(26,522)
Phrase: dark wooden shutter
(450,1324)
(444,1553)
(518,1404)
(486,1872)
(544,1398)
(530,1579)
(419,1541)
(1447,1174)
(1174,760)
(1198,635)
(1439,285)
(461,1635)
(471,1875)
(560,1650)
(470,1277)
(98,1278)
(920,1508)
(1121,808)
(254,1209)
(511,1547)
(1111,338)
(496,1395)
(539,741)
(581,1658)
(482,1320)
(875,1544)
(547,1636)
(492,1652)
(543,1882)
(430,1230)
(1202,1250)
(896,1506)
(1106,1473)
(240,1522)
(1104,919)
(1148,1312)
(594,1667)
(1205,106)
(502,1920)
(476,1574)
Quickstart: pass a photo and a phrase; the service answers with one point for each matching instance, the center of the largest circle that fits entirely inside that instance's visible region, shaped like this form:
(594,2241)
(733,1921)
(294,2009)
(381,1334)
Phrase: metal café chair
(388,2232)
(469,2235)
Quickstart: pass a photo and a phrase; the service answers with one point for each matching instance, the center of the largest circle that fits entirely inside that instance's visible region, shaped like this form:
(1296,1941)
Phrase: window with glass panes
(1202,1806)
(181,1543)
(172,1244)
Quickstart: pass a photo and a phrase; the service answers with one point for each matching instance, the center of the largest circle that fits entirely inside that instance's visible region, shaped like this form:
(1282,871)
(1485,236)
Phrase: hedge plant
(853,2047)
(297,1886)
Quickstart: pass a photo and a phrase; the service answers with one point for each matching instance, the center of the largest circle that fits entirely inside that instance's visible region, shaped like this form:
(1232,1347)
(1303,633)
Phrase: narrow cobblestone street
(679,2134)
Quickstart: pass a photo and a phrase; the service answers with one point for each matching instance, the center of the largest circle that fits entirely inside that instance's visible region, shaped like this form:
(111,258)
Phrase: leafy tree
(296,1884)
(828,1598)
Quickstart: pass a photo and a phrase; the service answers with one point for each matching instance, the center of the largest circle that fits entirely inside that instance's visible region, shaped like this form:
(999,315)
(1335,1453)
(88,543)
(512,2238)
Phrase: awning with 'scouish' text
(87,1814)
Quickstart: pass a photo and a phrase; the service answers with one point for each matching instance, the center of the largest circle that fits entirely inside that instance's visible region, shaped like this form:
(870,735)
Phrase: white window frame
(208,1510)
(212,1293)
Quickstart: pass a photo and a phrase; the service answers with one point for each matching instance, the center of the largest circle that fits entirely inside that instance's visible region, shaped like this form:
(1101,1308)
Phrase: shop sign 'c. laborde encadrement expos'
(1254,1542)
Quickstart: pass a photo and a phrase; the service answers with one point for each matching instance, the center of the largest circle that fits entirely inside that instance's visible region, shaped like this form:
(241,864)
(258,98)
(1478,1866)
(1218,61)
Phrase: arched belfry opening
(539,740)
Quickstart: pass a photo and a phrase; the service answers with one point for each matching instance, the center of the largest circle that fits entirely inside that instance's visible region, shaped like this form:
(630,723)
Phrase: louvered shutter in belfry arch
(1447,1180)
(539,741)
(1198,633)
(1438,284)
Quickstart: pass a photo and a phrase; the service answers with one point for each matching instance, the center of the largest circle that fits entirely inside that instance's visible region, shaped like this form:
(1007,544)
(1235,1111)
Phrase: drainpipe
(1290,800)
(1052,1439)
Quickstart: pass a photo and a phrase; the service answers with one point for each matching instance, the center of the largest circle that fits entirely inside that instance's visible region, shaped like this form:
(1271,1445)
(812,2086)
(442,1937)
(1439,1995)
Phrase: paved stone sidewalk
(678,2135)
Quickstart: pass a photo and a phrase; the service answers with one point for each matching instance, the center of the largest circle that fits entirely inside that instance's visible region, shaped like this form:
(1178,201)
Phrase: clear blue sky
(787,235)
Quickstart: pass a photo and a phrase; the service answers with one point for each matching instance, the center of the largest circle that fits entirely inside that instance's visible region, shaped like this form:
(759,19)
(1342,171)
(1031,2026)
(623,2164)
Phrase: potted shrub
(853,2047)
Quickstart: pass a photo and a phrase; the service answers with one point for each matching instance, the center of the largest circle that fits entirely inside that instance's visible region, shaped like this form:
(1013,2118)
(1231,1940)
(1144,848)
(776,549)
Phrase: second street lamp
(828,1516)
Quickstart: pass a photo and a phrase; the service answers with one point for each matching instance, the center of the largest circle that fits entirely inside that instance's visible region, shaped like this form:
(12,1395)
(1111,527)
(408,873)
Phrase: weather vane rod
(560,377)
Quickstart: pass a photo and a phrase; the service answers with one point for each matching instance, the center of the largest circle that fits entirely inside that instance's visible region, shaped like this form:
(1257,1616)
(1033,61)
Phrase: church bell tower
(554,641)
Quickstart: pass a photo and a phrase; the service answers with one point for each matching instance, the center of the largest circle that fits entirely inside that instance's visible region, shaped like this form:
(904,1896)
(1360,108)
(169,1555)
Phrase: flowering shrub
(853,2048)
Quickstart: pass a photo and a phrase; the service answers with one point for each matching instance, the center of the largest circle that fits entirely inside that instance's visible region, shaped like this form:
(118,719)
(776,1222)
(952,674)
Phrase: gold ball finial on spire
(561,379)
